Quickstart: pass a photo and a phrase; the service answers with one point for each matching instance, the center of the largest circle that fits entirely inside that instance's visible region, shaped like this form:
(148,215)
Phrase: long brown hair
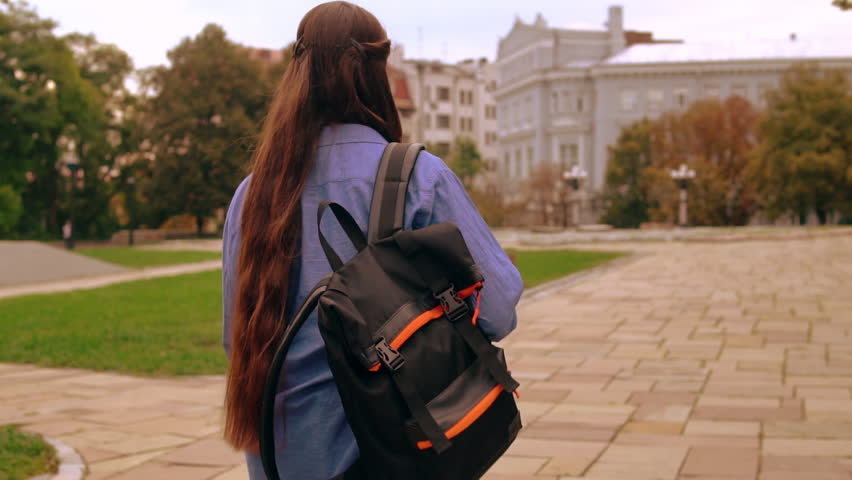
(337,75)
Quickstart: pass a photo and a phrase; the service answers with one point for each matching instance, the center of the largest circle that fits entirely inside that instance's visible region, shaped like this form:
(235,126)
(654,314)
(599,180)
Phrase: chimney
(615,26)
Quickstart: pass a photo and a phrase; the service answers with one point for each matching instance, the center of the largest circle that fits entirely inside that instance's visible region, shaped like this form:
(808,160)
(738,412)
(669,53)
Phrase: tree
(842,4)
(544,191)
(465,160)
(204,113)
(625,193)
(10,209)
(715,138)
(804,163)
(49,109)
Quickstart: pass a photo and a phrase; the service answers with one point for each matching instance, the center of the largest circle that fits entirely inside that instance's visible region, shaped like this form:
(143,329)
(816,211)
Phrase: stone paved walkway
(693,362)
(34,262)
(109,279)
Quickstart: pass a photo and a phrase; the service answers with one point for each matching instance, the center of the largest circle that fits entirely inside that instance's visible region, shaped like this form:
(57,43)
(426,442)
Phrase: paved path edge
(545,289)
(71,464)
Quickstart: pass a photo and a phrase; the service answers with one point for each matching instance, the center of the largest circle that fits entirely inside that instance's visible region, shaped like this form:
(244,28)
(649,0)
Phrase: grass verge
(170,325)
(24,455)
(540,266)
(162,326)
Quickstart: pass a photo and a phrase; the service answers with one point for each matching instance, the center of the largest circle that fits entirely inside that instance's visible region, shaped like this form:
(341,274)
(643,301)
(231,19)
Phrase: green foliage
(804,162)
(10,209)
(163,326)
(139,258)
(541,266)
(842,4)
(24,455)
(56,96)
(203,116)
(465,160)
(713,137)
(626,194)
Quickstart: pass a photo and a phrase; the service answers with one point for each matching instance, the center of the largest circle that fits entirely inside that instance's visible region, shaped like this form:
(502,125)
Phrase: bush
(11,209)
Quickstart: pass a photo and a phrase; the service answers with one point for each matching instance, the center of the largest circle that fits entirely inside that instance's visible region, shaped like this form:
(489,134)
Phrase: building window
(681,97)
(628,100)
(427,94)
(554,102)
(443,121)
(712,91)
(507,164)
(437,69)
(568,155)
(470,124)
(528,114)
(656,96)
(565,102)
(518,162)
(580,105)
(443,94)
(530,155)
(740,90)
(490,112)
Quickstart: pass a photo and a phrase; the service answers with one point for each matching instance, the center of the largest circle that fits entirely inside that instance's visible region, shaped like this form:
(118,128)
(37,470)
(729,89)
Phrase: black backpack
(425,392)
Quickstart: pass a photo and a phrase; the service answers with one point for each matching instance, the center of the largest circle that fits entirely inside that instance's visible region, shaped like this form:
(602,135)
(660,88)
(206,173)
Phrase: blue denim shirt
(317,443)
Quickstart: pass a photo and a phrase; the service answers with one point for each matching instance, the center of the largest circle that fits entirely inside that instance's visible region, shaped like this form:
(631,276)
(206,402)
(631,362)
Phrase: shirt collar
(349,133)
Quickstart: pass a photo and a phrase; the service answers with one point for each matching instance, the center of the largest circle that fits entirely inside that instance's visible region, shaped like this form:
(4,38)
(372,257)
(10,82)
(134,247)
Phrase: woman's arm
(450,202)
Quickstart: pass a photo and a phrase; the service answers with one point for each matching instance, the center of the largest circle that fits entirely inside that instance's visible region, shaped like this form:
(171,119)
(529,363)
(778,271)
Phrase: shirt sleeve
(230,263)
(503,285)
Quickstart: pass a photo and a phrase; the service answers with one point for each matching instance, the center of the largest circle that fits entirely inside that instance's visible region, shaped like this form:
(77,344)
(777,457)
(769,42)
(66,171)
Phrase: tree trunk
(199,225)
(822,215)
(803,218)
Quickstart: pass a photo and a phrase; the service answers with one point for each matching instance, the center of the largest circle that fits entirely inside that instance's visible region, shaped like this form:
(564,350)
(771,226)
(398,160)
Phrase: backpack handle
(350,227)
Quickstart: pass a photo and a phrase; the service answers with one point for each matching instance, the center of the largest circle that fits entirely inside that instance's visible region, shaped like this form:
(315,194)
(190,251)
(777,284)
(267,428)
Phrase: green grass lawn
(163,326)
(24,455)
(139,258)
(167,326)
(540,266)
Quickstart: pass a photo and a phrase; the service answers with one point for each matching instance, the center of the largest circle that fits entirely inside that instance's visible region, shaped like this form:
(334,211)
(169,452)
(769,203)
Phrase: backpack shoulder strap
(388,205)
(273,376)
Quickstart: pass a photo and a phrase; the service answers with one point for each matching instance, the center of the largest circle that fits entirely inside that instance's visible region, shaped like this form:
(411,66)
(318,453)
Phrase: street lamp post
(131,207)
(682,177)
(574,178)
(73,164)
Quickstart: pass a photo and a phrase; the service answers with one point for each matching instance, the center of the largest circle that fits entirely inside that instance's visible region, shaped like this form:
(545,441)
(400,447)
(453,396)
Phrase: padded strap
(350,227)
(267,412)
(388,206)
(424,419)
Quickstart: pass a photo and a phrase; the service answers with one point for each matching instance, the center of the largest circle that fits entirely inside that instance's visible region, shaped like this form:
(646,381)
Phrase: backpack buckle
(453,306)
(390,357)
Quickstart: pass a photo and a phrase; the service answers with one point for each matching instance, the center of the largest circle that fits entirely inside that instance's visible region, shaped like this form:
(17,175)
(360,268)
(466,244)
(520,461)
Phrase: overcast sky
(450,30)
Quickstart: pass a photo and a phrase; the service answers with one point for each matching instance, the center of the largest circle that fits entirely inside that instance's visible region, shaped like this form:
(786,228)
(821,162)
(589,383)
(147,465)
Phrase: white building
(564,95)
(450,101)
